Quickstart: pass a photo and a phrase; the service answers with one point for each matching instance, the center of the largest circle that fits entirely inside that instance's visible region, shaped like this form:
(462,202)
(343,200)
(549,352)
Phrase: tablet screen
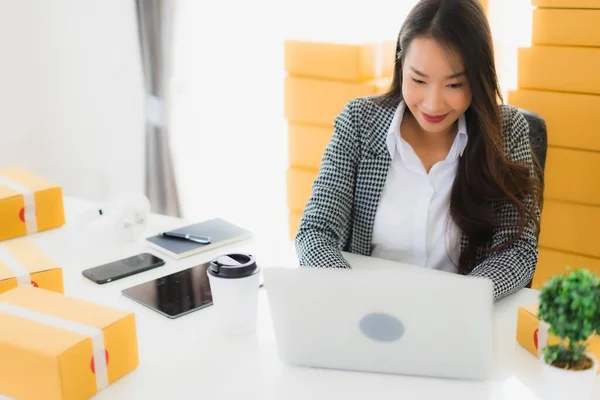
(176,294)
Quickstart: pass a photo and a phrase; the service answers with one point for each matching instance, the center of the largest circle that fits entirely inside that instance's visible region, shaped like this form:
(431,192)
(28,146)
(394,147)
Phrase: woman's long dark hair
(484,175)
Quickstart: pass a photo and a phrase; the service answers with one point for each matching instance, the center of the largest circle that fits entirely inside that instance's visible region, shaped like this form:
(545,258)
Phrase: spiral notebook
(221,232)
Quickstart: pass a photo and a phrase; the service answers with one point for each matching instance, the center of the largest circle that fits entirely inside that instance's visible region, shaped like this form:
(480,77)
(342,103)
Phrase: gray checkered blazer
(340,212)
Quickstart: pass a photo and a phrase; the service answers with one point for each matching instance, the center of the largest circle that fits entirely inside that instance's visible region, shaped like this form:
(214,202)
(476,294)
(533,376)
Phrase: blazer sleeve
(326,220)
(512,268)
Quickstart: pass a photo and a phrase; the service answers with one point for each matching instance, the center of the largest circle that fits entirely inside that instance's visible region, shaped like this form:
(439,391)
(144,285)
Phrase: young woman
(434,173)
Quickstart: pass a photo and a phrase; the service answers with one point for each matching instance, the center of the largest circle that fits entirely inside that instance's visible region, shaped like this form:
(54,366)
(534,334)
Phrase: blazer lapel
(371,176)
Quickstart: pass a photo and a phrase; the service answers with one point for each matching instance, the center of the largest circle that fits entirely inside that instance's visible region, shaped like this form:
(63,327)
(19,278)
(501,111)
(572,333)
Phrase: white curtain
(155,24)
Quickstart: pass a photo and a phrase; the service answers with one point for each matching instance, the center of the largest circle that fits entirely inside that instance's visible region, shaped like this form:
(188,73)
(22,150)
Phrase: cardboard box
(318,101)
(28,204)
(555,262)
(307,144)
(351,62)
(56,347)
(543,67)
(564,27)
(566,3)
(570,227)
(569,174)
(294,223)
(533,334)
(567,116)
(23,263)
(299,188)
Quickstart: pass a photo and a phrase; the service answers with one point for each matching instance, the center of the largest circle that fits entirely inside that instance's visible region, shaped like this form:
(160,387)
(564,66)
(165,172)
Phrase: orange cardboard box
(28,204)
(566,115)
(566,27)
(307,144)
(350,62)
(555,262)
(571,227)
(583,64)
(23,263)
(533,334)
(55,347)
(568,175)
(294,223)
(319,101)
(299,187)
(566,3)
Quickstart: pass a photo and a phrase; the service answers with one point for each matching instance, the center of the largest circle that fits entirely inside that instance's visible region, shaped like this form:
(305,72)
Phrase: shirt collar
(394,140)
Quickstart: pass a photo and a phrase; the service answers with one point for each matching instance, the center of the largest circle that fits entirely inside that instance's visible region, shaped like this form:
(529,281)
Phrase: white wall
(19,98)
(87,90)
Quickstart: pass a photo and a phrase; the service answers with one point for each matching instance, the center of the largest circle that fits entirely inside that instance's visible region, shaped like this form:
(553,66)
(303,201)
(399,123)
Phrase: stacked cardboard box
(558,79)
(69,348)
(29,204)
(321,79)
(58,347)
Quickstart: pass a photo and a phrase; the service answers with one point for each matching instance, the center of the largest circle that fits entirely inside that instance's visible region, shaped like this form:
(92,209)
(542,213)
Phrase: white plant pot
(559,383)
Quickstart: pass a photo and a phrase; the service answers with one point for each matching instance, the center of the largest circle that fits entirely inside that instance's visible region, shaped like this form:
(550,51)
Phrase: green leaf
(570,303)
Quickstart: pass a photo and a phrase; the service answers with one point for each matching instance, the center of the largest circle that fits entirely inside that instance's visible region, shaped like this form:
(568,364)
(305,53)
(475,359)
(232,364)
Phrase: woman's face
(434,85)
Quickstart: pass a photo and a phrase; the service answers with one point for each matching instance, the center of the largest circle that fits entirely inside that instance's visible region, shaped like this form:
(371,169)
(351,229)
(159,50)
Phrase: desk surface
(188,358)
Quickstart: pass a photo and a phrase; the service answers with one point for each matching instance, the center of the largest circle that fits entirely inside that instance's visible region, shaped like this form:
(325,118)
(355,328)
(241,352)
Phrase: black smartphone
(123,268)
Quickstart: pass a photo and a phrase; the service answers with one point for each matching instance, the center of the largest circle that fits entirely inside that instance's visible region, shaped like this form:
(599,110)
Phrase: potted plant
(570,305)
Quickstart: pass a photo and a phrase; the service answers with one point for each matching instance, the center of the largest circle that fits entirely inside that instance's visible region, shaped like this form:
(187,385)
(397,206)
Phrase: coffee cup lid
(235,265)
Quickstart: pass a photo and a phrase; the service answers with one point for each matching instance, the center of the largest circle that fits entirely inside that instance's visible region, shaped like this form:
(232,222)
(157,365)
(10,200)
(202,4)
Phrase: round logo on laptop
(381,327)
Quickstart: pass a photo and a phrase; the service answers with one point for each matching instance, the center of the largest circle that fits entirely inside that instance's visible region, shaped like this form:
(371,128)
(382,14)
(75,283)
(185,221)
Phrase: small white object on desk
(121,220)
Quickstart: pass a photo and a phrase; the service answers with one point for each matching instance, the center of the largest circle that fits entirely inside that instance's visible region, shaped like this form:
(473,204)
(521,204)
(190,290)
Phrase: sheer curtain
(154,19)
(229,135)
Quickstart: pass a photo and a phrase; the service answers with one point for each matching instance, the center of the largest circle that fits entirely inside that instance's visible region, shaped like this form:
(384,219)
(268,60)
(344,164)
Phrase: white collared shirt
(412,223)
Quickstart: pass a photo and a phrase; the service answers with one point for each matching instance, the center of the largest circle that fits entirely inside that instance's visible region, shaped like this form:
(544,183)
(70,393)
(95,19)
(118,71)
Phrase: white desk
(186,358)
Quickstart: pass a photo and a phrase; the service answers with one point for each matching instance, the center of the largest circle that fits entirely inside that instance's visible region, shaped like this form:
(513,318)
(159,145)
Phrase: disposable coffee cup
(234,281)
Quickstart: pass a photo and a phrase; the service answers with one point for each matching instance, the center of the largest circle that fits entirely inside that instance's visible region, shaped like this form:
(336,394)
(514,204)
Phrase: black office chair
(538,136)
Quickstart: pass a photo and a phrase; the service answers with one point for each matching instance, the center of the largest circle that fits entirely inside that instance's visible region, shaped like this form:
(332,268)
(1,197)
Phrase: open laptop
(382,316)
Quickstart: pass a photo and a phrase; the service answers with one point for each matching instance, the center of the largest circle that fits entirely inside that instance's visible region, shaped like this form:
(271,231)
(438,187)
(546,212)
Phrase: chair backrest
(538,137)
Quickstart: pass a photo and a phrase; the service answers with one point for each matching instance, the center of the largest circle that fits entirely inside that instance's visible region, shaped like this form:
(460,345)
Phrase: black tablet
(176,294)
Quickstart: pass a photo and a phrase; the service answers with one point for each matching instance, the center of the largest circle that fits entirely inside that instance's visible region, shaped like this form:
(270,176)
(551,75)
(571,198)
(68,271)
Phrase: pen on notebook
(193,238)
